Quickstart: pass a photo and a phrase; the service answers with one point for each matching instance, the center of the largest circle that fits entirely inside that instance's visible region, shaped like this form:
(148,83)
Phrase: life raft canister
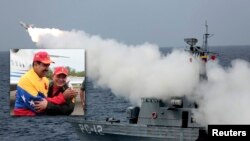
(154,115)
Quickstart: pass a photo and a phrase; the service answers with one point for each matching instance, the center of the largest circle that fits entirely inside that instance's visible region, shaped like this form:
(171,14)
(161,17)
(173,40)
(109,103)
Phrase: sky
(74,58)
(162,22)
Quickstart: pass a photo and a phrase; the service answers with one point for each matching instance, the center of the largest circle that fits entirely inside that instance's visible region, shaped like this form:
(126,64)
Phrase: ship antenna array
(205,38)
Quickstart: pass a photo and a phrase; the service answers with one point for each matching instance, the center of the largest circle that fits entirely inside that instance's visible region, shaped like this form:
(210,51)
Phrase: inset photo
(47,82)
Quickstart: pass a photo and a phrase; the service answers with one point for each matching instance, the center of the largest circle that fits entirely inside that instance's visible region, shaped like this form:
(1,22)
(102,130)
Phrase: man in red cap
(61,98)
(33,85)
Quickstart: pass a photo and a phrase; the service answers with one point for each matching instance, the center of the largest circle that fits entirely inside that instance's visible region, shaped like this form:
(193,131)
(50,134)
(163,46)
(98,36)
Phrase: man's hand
(40,106)
(69,93)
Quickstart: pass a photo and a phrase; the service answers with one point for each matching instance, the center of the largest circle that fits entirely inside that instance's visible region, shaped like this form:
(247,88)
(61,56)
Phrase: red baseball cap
(60,70)
(43,57)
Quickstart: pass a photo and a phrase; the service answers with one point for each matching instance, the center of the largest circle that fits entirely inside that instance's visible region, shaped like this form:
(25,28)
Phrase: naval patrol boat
(155,119)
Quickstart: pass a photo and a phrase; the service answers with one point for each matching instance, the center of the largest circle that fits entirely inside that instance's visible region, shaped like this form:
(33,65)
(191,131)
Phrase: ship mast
(205,38)
(201,52)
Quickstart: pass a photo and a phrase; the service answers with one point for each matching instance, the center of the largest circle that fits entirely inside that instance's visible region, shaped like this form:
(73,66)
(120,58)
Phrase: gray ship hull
(170,119)
(106,131)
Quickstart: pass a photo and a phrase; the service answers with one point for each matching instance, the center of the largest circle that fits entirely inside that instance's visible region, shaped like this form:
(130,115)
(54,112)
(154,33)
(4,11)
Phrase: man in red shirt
(61,98)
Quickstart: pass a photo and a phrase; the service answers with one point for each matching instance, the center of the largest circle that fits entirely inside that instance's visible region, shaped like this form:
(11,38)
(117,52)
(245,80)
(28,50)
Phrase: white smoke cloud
(129,71)
(226,95)
(37,33)
(141,71)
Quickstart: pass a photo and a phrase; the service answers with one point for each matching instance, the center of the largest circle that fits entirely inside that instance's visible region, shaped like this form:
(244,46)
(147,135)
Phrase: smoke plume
(224,98)
(141,71)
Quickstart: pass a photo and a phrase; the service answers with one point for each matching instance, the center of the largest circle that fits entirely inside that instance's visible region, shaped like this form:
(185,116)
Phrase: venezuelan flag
(30,88)
(25,100)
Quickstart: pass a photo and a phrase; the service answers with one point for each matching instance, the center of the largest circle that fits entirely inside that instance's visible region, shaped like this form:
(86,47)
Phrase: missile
(26,26)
